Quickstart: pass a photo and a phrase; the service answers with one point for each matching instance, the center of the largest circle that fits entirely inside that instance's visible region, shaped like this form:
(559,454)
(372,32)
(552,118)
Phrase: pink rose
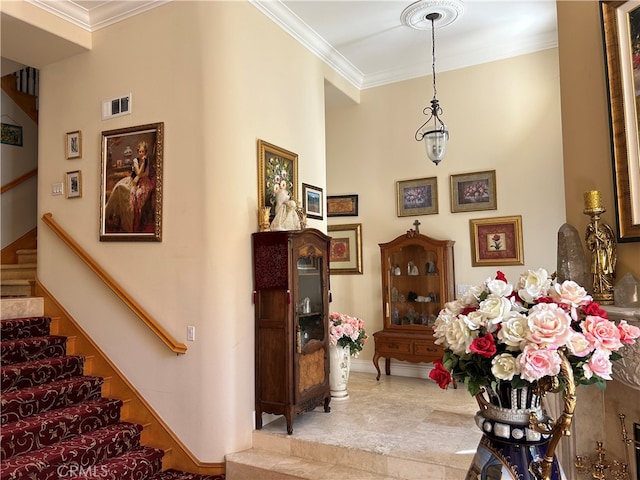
(628,333)
(549,325)
(599,364)
(536,363)
(602,333)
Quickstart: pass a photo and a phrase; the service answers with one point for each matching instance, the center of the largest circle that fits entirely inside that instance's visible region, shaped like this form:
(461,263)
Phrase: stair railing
(143,315)
(19,180)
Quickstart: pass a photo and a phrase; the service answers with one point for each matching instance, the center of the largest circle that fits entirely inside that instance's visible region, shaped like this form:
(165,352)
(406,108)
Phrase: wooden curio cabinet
(417,280)
(291,297)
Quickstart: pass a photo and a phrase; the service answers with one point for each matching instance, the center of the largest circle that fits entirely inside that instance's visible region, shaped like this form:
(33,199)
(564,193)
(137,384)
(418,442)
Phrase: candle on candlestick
(592,200)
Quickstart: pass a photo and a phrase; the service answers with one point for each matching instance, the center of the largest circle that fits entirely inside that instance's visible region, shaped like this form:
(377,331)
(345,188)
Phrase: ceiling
(366,41)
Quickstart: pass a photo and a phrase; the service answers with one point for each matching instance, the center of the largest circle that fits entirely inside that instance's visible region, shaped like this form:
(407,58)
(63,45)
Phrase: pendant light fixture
(422,15)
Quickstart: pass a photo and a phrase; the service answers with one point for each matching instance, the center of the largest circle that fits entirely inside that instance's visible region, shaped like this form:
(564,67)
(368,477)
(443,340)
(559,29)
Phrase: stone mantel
(627,369)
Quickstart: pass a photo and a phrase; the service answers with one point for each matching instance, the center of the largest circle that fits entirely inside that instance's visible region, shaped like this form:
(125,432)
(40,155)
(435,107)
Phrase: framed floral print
(496,241)
(472,192)
(131,183)
(277,170)
(342,206)
(417,197)
(345,254)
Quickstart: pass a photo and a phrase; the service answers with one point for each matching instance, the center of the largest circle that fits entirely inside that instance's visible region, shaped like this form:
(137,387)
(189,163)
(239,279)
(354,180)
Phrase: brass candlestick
(263,219)
(599,467)
(601,242)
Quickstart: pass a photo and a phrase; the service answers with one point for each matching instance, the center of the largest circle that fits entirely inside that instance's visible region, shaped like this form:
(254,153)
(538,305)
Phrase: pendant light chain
(433,56)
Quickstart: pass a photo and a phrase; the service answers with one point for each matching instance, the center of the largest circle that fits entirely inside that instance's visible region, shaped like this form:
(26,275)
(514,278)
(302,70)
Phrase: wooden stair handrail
(19,180)
(175,346)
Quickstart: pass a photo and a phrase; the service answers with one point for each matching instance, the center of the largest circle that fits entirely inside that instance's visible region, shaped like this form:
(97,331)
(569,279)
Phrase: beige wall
(218,89)
(499,114)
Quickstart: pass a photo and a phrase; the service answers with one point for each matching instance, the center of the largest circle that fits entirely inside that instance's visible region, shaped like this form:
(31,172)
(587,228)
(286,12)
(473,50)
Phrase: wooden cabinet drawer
(393,346)
(428,349)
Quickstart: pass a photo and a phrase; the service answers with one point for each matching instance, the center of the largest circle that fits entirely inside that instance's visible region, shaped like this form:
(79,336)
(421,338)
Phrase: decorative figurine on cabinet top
(286,215)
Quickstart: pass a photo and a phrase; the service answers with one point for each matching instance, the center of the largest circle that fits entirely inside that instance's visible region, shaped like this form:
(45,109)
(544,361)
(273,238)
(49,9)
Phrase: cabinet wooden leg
(387,366)
(327,408)
(376,357)
(258,420)
(289,419)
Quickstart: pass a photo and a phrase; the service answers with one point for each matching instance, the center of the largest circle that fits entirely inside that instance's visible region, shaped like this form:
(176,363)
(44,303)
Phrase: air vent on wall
(116,107)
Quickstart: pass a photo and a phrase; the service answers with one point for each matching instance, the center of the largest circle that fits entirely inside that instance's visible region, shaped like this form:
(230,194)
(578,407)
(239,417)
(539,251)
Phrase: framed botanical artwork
(312,201)
(131,183)
(471,192)
(345,255)
(496,241)
(621,28)
(277,170)
(342,206)
(417,197)
(73,145)
(11,134)
(73,184)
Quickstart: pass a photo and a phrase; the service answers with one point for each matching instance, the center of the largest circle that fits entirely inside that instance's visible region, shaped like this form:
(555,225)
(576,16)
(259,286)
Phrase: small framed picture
(496,241)
(472,192)
(11,134)
(74,184)
(312,201)
(342,206)
(346,249)
(73,145)
(417,197)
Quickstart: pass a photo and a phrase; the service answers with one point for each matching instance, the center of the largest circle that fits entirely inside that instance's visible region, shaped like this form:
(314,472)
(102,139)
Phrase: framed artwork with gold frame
(346,249)
(496,241)
(277,169)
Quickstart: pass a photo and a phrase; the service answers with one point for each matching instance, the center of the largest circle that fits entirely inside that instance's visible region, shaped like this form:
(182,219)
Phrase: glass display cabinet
(291,298)
(417,280)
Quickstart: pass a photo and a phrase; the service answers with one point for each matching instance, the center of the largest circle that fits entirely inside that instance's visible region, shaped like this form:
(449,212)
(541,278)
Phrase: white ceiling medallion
(415,15)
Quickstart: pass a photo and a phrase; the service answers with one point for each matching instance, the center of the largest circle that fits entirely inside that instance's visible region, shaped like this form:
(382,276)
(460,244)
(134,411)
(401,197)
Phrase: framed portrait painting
(417,197)
(621,29)
(342,206)
(472,192)
(277,170)
(345,255)
(131,183)
(312,201)
(496,241)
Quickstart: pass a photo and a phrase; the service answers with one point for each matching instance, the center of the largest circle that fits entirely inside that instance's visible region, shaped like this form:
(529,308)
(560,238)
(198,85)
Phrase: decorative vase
(339,364)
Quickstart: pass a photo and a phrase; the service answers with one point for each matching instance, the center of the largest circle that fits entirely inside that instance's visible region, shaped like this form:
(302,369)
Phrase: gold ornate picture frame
(496,241)
(277,169)
(417,197)
(346,249)
(73,145)
(131,183)
(472,192)
(621,24)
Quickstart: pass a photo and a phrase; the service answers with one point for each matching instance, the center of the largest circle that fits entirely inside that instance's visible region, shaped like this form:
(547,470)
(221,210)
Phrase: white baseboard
(398,368)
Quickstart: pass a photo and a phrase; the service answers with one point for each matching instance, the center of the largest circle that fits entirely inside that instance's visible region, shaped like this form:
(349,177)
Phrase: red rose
(484,346)
(500,275)
(593,309)
(440,375)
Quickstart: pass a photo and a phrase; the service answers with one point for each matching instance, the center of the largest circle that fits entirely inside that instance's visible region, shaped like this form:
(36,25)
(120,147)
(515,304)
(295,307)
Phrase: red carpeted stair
(54,421)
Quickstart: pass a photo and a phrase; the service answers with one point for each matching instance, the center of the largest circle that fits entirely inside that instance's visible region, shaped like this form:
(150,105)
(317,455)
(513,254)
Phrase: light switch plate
(57,189)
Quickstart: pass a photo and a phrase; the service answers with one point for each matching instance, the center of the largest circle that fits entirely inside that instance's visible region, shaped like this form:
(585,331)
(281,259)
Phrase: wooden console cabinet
(417,280)
(291,297)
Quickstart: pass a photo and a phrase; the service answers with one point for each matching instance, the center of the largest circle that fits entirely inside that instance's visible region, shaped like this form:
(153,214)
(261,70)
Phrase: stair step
(140,463)
(27,402)
(22,350)
(37,326)
(177,475)
(72,454)
(29,374)
(15,288)
(48,428)
(27,255)
(18,271)
(21,307)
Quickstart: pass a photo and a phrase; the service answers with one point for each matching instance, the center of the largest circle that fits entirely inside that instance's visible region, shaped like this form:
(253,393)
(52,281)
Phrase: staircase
(18,279)
(57,420)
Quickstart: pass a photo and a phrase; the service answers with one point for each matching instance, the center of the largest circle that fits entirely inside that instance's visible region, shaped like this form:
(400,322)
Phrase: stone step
(21,307)
(28,255)
(18,271)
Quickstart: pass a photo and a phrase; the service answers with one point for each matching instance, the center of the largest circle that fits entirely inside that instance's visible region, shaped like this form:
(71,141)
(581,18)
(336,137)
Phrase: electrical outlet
(462,289)
(57,188)
(191,333)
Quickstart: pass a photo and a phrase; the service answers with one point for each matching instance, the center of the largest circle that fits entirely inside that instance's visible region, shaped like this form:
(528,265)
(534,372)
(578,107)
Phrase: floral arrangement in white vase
(347,331)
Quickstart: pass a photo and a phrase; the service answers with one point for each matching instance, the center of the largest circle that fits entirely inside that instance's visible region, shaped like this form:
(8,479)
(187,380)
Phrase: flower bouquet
(345,330)
(499,333)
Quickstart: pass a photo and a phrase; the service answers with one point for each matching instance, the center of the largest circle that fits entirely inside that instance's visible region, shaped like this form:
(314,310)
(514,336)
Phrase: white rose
(495,308)
(454,307)
(514,331)
(570,293)
(504,366)
(499,287)
(458,336)
(474,320)
(533,284)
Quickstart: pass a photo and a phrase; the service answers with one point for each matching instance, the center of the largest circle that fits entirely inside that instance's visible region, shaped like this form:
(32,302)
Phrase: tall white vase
(339,364)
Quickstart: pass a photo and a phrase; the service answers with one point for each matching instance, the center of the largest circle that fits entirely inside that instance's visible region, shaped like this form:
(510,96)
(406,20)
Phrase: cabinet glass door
(310,301)
(414,287)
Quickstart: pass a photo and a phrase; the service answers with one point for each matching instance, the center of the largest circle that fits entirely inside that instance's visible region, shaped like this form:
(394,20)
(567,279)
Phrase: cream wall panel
(217,88)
